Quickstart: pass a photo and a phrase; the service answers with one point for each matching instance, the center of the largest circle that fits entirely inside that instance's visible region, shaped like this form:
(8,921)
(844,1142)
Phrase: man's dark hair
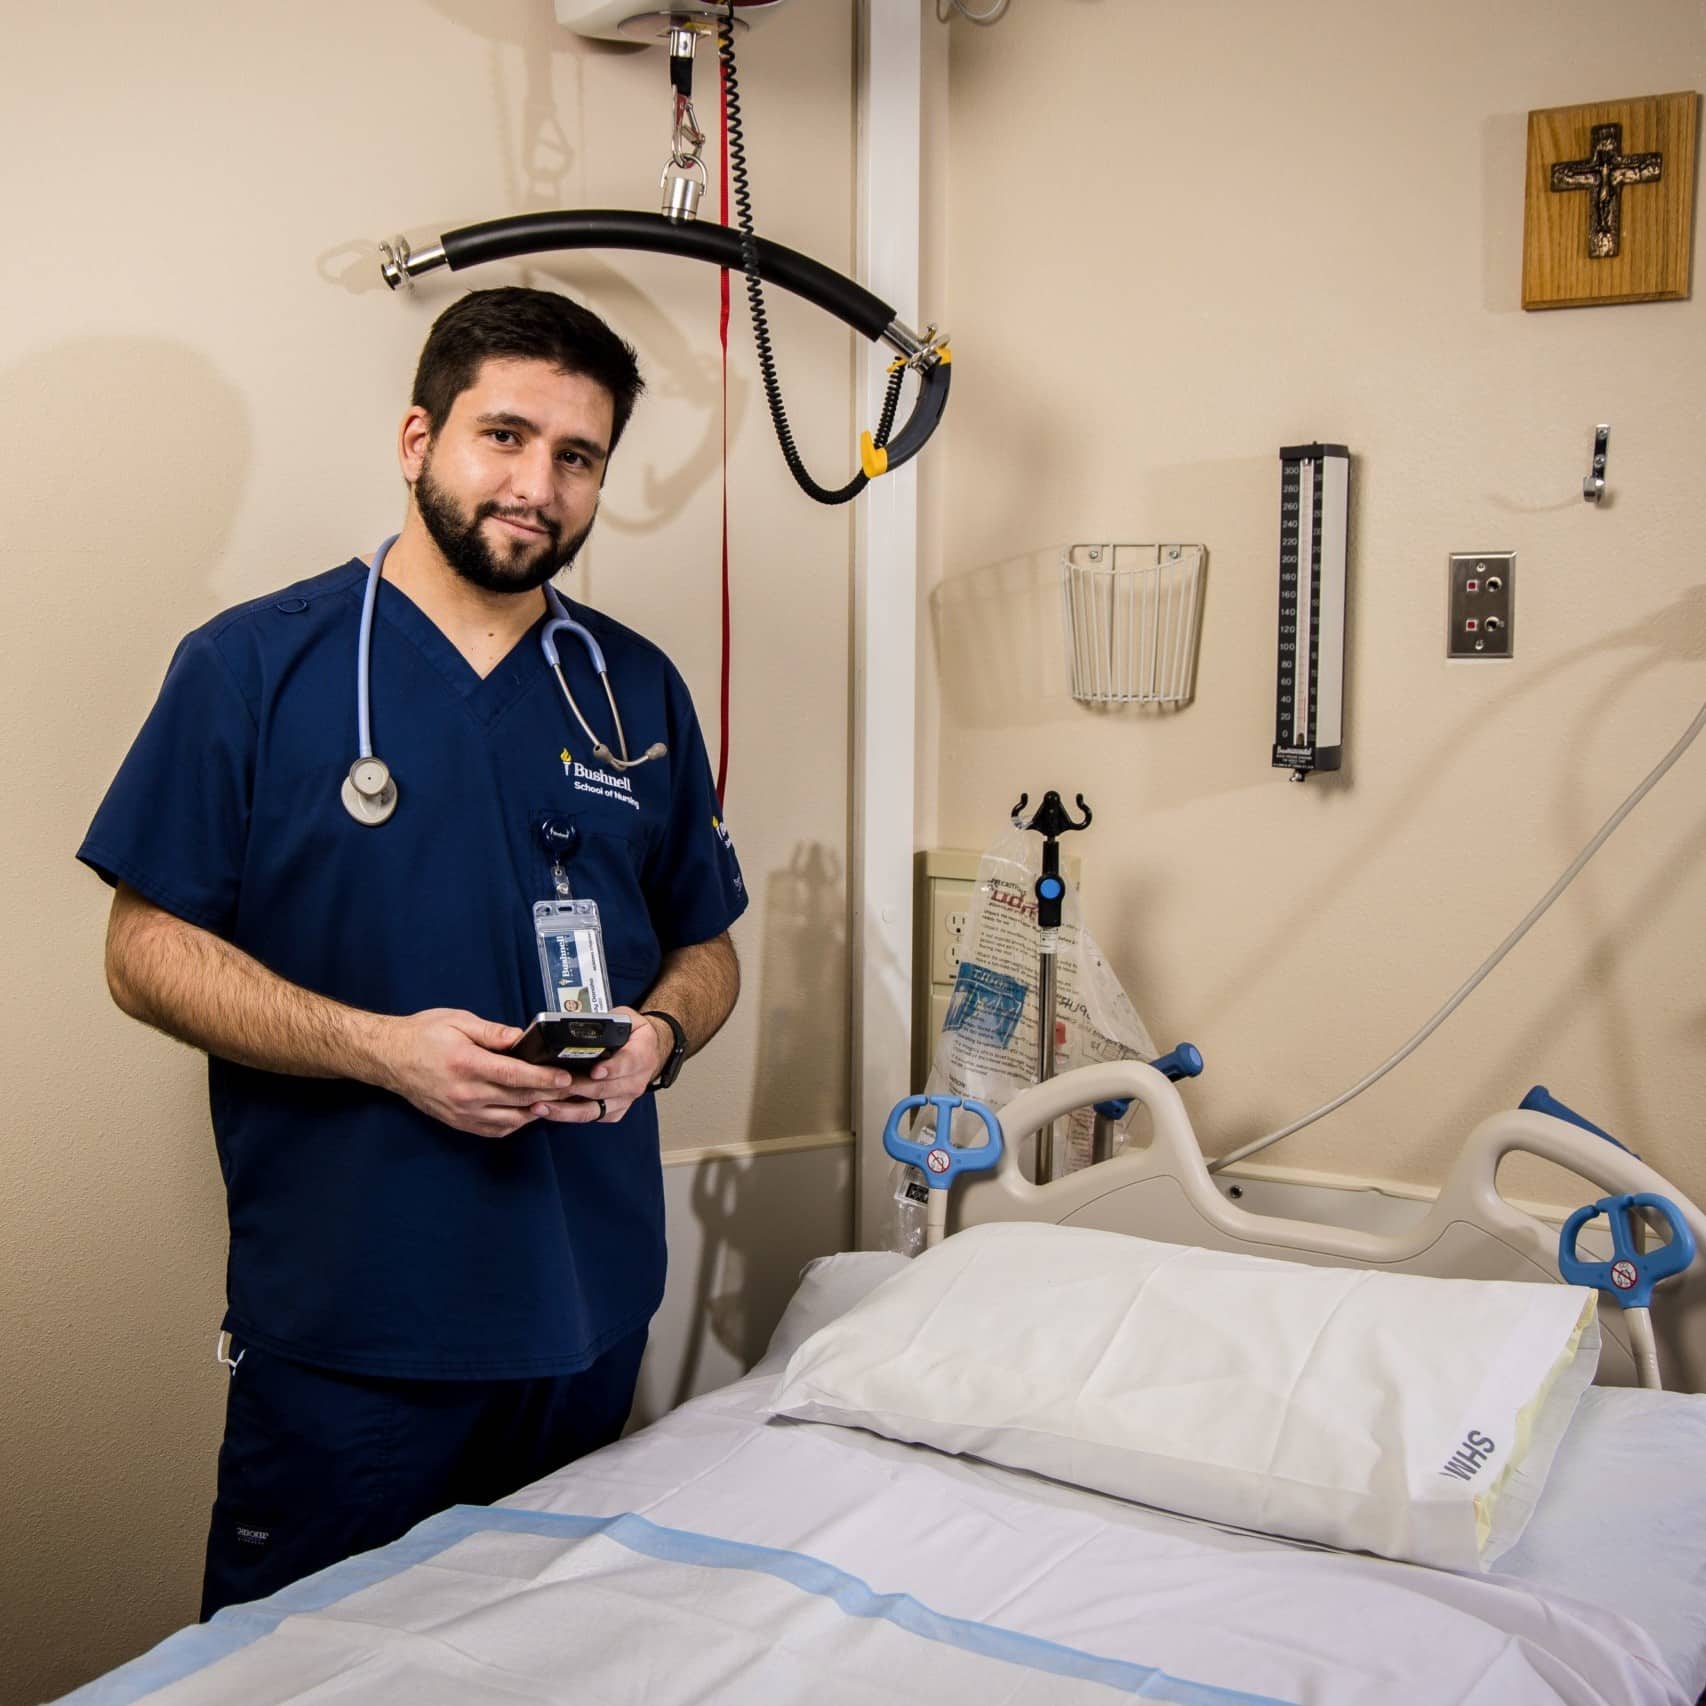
(513,324)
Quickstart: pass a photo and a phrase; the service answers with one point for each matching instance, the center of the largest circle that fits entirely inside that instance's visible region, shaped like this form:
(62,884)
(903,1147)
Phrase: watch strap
(671,1068)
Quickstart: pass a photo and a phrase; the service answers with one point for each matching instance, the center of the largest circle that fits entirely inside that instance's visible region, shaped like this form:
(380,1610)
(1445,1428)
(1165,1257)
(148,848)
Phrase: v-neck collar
(486,697)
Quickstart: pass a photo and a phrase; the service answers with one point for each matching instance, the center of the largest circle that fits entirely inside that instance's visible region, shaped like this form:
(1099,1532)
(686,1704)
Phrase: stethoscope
(369,791)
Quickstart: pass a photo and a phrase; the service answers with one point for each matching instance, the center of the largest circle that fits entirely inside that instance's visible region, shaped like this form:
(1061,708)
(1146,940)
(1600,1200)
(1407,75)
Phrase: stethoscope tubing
(364,651)
(561,621)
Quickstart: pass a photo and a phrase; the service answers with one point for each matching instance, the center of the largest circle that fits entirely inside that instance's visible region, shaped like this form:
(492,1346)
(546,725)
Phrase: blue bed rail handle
(940,1160)
(1631,1274)
(1540,1100)
(1184,1062)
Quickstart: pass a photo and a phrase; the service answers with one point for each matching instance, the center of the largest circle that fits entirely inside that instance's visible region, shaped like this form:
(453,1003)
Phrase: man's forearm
(200,989)
(698,985)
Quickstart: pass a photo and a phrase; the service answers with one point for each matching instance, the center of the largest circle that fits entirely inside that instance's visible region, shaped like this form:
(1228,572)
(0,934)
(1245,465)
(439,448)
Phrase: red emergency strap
(723,335)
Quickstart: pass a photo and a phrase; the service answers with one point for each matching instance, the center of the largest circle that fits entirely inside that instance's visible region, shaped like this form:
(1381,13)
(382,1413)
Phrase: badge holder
(569,934)
(572,967)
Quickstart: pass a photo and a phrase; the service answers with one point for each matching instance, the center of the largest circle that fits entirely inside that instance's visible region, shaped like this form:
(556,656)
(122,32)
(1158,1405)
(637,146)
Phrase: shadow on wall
(746,1228)
(741,1229)
(124,467)
(1000,633)
(537,156)
(731,1211)
(677,371)
(801,1088)
(1504,161)
(539,162)
(682,366)
(131,556)
(999,643)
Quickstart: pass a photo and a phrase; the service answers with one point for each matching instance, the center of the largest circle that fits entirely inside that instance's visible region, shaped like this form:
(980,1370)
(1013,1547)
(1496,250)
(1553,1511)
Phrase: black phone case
(571,1040)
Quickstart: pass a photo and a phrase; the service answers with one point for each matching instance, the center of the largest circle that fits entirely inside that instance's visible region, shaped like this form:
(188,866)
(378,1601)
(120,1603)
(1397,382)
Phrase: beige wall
(1178,237)
(200,377)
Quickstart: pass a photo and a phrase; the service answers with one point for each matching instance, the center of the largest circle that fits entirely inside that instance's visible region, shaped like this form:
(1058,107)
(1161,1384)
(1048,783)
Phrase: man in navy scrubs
(443,1260)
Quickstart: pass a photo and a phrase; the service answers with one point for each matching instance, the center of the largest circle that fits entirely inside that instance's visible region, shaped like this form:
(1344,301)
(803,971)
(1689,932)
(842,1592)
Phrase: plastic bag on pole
(988,1048)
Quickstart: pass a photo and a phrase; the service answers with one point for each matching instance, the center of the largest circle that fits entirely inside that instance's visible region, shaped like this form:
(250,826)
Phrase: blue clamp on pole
(1184,1062)
(1540,1100)
(942,1161)
(1631,1274)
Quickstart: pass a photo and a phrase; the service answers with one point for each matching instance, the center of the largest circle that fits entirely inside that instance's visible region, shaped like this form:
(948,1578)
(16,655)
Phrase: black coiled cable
(755,297)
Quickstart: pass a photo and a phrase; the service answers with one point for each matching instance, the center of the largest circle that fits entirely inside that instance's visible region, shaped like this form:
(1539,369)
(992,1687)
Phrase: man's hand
(618,1082)
(199,988)
(448,1064)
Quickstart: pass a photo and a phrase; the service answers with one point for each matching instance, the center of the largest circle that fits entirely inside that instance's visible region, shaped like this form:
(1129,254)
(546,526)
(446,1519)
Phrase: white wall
(1178,237)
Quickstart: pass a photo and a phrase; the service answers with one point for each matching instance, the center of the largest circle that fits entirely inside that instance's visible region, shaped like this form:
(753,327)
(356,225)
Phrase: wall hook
(1593,487)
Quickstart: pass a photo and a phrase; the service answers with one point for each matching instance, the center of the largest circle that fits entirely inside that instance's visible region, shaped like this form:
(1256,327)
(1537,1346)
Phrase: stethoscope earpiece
(605,756)
(368,793)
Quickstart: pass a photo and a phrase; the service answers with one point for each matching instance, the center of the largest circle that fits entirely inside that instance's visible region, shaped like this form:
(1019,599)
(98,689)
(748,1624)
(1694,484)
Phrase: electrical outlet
(950,906)
(1481,605)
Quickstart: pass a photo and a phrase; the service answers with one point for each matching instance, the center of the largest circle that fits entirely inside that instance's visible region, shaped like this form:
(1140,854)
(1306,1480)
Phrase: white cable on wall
(1457,1000)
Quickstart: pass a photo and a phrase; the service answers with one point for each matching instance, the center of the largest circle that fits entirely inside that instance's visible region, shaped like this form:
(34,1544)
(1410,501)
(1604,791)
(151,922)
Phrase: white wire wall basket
(1131,615)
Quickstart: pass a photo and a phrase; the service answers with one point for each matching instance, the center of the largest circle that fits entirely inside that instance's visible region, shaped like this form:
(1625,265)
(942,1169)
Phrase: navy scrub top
(365,1235)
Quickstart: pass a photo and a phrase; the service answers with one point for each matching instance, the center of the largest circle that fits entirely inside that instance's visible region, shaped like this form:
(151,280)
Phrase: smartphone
(570,1039)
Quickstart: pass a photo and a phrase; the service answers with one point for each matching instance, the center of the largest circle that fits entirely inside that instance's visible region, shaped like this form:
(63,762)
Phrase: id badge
(570,938)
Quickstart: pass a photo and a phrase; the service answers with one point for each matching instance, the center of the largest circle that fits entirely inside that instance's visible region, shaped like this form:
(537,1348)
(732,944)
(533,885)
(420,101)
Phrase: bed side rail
(1163,1190)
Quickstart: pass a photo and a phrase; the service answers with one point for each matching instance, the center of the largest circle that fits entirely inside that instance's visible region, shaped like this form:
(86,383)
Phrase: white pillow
(1366,1410)
(829,1286)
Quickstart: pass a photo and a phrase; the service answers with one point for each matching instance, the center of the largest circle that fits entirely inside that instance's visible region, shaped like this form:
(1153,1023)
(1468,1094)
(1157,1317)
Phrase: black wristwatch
(671,1068)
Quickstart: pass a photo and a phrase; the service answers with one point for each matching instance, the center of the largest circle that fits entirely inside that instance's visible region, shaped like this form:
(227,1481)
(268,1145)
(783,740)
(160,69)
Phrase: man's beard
(465,548)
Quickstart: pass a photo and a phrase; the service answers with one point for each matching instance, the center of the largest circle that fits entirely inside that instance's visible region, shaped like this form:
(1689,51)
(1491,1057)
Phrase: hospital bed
(725,1555)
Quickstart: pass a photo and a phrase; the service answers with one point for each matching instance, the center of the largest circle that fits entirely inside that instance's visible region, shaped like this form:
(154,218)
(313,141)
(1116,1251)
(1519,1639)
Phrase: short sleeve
(175,823)
(694,888)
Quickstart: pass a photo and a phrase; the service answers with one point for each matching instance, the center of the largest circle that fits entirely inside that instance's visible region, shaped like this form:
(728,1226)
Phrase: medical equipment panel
(1481,609)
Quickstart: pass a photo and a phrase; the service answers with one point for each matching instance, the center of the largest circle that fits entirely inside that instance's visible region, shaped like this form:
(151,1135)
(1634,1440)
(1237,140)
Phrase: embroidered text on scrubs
(603,783)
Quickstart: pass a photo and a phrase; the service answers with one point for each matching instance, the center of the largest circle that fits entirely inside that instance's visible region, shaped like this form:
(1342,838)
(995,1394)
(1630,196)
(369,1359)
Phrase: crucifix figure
(1603,174)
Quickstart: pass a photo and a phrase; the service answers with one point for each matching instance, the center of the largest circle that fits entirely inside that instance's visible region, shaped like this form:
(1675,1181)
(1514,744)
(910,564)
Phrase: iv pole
(1051,821)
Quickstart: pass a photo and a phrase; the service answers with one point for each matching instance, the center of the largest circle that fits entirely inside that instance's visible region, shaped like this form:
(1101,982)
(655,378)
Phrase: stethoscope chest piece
(368,792)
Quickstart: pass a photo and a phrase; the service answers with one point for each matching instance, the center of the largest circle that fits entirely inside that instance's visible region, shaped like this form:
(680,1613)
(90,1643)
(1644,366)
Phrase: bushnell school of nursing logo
(587,780)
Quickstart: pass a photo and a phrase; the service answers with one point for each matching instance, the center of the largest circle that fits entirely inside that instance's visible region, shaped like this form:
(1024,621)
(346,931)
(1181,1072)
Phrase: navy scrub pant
(317,1465)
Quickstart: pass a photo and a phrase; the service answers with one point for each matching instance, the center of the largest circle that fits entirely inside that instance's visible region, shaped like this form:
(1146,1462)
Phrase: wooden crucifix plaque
(1610,208)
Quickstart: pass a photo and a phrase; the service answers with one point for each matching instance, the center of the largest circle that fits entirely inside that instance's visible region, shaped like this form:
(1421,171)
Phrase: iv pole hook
(1051,819)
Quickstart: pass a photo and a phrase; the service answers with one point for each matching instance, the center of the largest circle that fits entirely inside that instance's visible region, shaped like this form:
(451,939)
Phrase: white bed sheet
(1621,1525)
(1171,1609)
